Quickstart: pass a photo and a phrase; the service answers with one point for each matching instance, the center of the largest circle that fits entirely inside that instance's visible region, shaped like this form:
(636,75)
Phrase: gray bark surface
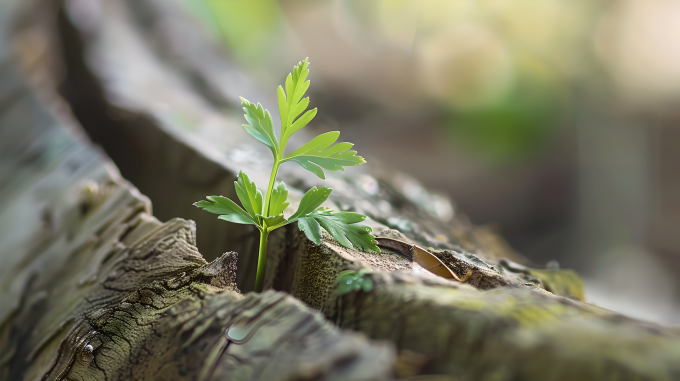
(94,287)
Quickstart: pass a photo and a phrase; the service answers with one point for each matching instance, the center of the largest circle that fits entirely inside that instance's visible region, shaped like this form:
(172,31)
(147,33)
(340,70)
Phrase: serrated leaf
(273,220)
(299,109)
(228,209)
(345,217)
(311,201)
(290,88)
(342,226)
(291,102)
(300,89)
(349,234)
(320,153)
(260,125)
(315,169)
(248,194)
(311,228)
(301,122)
(283,107)
(277,203)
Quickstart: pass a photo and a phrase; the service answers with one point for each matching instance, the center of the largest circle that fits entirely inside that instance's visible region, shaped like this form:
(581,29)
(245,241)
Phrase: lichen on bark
(92,284)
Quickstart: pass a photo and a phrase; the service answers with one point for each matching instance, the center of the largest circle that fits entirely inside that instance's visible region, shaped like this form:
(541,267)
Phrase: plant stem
(264,232)
(272,179)
(261,260)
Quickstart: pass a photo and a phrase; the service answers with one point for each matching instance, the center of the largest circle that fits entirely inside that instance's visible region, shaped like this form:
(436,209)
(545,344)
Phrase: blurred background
(557,122)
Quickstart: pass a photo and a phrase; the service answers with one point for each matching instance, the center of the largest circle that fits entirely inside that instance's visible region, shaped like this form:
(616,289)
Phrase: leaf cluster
(350,280)
(319,154)
(310,216)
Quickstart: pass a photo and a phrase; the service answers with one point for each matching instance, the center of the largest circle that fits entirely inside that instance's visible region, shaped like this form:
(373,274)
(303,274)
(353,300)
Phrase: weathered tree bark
(94,287)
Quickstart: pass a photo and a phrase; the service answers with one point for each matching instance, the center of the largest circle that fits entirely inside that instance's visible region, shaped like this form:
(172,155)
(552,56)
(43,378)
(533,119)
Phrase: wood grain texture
(176,123)
(93,287)
(506,334)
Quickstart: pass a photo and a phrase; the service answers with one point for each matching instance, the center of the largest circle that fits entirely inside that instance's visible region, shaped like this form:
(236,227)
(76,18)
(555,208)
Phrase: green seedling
(317,155)
(350,280)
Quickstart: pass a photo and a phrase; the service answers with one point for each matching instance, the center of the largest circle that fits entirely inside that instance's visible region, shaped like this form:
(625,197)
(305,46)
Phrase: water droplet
(237,332)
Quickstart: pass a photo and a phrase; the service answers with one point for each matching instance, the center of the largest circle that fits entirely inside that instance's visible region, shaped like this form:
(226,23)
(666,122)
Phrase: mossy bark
(94,287)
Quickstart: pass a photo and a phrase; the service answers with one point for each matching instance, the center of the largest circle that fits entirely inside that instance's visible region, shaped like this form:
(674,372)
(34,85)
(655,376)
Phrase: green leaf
(273,220)
(344,228)
(320,153)
(277,203)
(291,103)
(260,125)
(283,108)
(350,280)
(311,201)
(250,196)
(299,109)
(345,217)
(238,219)
(228,209)
(311,228)
(303,121)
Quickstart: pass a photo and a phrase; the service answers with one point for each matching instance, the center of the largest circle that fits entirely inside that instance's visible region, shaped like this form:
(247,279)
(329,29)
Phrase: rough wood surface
(92,287)
(165,114)
(506,334)
(144,99)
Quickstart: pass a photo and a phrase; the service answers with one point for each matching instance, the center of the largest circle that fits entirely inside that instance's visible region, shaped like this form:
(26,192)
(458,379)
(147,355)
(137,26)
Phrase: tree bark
(95,287)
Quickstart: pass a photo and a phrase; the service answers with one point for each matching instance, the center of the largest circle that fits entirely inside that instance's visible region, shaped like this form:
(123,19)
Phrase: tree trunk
(95,287)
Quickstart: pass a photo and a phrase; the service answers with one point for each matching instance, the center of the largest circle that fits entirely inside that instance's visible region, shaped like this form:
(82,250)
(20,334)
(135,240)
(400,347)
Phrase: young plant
(316,155)
(350,280)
